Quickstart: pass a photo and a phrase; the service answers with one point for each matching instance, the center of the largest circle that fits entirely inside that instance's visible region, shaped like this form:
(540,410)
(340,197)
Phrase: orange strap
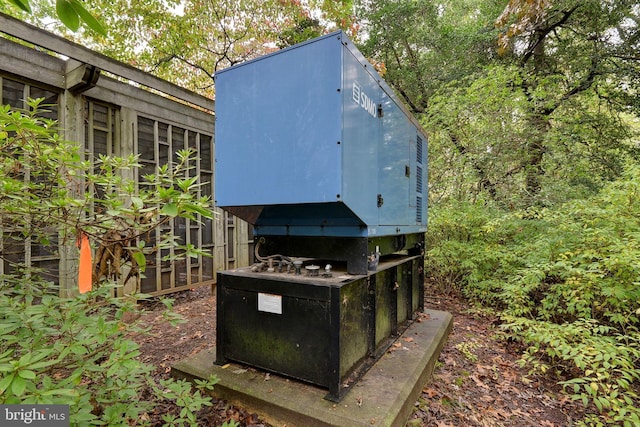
(84,270)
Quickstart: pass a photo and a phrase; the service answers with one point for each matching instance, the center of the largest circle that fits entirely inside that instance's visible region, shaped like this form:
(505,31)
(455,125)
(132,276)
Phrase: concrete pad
(384,396)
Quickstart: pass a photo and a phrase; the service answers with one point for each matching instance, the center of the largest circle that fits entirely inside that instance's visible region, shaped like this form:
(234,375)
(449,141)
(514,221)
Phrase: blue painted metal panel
(361,132)
(310,141)
(395,171)
(278,121)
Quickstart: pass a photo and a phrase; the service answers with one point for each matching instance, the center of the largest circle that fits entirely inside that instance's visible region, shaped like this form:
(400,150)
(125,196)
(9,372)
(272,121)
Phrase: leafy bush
(75,351)
(566,284)
(473,246)
(600,362)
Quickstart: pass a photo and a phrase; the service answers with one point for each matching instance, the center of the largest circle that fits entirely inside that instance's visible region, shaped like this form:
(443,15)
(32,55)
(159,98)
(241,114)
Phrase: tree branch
(541,33)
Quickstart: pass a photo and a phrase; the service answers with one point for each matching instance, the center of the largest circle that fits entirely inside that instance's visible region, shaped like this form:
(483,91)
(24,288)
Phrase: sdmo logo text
(363,100)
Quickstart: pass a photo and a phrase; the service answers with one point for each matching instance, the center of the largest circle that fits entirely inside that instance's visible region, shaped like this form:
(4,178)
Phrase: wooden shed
(112,108)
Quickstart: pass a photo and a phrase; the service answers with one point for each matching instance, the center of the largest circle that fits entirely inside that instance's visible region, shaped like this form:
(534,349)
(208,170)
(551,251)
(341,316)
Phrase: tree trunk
(540,125)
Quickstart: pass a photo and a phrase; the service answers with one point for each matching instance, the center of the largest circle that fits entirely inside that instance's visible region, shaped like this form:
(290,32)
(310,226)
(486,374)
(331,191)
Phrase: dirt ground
(477,380)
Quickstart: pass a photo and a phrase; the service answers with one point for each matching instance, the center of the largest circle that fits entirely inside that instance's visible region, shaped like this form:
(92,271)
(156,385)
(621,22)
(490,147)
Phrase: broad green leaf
(185,184)
(88,18)
(27,374)
(67,14)
(78,349)
(22,4)
(6,382)
(137,202)
(18,385)
(141,260)
(207,213)
(60,392)
(169,209)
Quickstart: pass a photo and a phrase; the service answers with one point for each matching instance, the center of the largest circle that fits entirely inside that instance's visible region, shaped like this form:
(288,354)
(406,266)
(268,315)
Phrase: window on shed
(158,144)
(101,134)
(16,251)
(16,94)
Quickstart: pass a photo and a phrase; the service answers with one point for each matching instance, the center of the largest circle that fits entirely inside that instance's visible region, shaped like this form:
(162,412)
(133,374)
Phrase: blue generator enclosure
(310,141)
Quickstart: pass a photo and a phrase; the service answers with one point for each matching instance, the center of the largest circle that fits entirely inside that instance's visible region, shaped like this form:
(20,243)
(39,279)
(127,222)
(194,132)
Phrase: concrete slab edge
(385,396)
(423,370)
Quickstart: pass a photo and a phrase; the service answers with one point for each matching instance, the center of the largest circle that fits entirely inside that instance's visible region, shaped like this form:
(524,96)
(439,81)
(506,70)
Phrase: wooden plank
(47,40)
(151,105)
(31,64)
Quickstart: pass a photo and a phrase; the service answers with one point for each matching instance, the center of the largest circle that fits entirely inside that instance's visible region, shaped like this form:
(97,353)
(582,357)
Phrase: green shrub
(76,351)
(566,281)
(601,363)
(474,246)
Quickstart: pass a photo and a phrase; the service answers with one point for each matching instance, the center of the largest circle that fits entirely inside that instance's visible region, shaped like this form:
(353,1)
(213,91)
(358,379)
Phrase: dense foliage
(534,185)
(565,283)
(76,351)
